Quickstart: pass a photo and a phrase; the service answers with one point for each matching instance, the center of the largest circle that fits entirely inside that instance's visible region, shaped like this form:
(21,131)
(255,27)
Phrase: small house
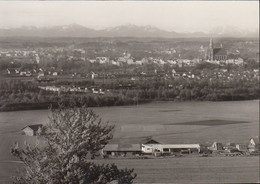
(253,144)
(95,90)
(101,91)
(241,147)
(217,146)
(10,71)
(55,73)
(93,75)
(230,146)
(32,130)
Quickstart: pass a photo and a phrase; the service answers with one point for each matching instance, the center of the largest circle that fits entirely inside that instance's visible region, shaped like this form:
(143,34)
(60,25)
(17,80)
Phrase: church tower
(211,48)
(211,43)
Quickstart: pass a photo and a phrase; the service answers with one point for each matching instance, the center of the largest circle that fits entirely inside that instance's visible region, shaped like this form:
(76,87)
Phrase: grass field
(213,122)
(175,170)
(167,123)
(193,170)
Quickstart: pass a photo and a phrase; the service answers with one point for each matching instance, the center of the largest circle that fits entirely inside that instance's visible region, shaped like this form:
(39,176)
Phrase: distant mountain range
(75,30)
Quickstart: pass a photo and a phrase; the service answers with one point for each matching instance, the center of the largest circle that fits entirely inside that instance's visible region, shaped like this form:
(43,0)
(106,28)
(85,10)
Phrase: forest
(21,95)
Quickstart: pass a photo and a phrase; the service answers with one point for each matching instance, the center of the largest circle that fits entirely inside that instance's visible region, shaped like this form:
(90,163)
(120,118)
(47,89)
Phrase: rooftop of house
(151,141)
(177,146)
(34,127)
(256,140)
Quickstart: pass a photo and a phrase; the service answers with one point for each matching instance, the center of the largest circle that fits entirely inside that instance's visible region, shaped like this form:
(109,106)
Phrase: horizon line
(126,25)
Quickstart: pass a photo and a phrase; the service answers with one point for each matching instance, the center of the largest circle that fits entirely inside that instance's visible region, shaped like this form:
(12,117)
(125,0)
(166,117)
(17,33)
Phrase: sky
(179,16)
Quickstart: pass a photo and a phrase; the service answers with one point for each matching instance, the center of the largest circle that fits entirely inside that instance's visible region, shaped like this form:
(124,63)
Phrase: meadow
(166,122)
(193,169)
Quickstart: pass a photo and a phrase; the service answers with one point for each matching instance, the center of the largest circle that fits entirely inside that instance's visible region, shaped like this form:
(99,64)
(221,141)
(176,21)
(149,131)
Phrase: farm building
(230,146)
(147,146)
(241,147)
(217,146)
(121,149)
(170,148)
(253,144)
(31,130)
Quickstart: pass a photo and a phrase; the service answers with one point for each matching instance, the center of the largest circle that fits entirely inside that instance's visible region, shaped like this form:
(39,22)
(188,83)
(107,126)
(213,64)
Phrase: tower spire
(211,43)
(211,48)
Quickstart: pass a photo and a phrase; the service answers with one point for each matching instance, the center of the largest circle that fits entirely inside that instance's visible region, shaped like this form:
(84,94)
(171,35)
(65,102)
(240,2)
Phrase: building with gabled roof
(241,147)
(254,144)
(31,130)
(151,141)
(217,146)
(10,71)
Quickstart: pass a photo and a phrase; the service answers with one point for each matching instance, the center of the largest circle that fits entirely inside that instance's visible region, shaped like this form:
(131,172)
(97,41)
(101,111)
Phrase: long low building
(149,148)
(121,149)
(169,148)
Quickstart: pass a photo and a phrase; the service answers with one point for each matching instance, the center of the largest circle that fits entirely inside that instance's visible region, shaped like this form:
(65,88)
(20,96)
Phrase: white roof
(161,146)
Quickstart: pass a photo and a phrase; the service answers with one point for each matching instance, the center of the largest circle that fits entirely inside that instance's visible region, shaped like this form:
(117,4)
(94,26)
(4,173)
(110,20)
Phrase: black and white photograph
(120,92)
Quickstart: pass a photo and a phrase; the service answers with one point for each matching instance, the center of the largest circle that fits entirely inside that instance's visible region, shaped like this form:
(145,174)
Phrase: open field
(193,170)
(213,122)
(176,170)
(162,121)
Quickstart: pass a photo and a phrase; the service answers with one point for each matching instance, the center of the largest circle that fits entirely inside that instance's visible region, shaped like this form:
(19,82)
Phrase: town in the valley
(126,71)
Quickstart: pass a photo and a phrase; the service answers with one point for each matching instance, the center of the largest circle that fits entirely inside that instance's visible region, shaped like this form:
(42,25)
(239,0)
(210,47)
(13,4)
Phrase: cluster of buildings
(214,54)
(220,56)
(29,56)
(16,71)
(66,89)
(253,146)
(127,59)
(32,72)
(155,148)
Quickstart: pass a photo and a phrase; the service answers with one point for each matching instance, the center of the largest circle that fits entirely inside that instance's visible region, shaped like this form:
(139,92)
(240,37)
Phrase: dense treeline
(17,95)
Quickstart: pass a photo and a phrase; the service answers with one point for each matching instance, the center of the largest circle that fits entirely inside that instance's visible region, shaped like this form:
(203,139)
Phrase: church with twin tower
(216,53)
